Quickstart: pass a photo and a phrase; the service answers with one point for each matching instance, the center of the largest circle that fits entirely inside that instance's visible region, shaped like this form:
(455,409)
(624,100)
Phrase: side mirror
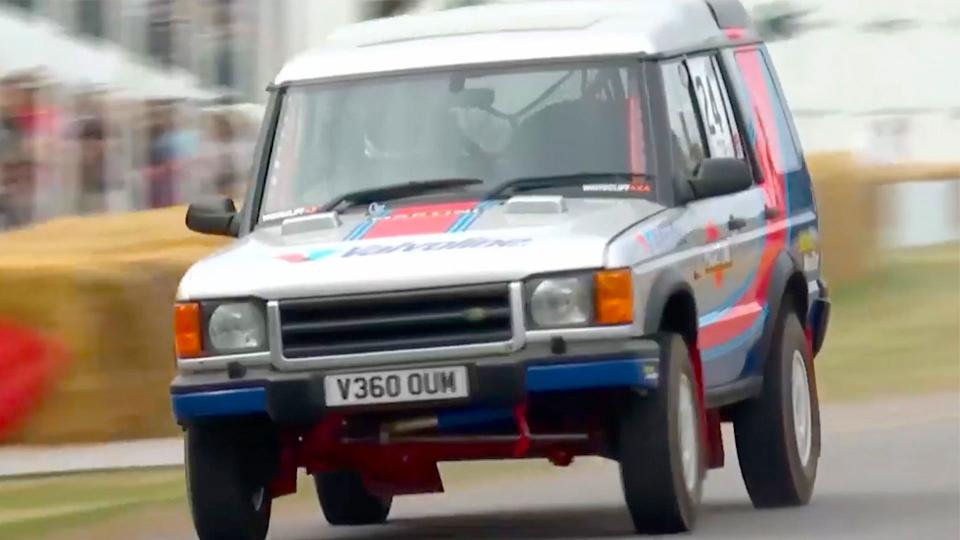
(218,218)
(720,176)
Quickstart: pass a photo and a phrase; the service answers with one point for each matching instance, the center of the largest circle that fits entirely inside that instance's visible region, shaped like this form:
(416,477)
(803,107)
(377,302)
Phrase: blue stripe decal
(737,341)
(462,219)
(364,227)
(467,220)
(219,403)
(360,230)
(632,372)
(450,420)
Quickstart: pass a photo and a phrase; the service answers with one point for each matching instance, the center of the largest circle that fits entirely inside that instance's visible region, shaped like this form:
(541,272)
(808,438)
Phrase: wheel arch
(671,306)
(787,289)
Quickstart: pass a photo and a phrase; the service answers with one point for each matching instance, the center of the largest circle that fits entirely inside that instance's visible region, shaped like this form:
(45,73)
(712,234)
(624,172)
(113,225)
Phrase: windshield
(489,125)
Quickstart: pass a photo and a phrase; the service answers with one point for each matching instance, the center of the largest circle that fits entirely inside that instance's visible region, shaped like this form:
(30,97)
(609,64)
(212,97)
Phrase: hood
(417,246)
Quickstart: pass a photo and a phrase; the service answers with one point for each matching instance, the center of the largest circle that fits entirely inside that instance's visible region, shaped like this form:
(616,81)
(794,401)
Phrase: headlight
(561,301)
(601,298)
(236,327)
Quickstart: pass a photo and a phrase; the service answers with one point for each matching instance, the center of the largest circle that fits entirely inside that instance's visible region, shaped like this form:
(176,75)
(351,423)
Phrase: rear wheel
(227,482)
(778,434)
(345,499)
(659,445)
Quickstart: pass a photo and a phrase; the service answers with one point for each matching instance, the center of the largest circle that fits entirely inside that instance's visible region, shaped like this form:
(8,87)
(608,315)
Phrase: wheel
(227,479)
(346,501)
(778,433)
(659,447)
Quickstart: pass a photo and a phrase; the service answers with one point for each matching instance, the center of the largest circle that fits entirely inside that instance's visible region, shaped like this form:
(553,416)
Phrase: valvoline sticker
(368,250)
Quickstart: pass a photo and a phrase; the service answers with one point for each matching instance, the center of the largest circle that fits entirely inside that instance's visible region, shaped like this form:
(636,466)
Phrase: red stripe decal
(635,137)
(735,33)
(767,150)
(735,322)
(423,219)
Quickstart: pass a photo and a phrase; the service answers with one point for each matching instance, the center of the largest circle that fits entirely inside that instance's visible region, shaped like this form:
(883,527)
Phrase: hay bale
(104,287)
(846,203)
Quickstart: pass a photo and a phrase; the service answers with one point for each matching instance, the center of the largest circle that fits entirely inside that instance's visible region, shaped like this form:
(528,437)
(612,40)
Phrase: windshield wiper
(529,183)
(397,191)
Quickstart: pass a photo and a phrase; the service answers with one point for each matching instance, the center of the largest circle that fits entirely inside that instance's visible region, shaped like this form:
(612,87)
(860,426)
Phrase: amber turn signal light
(613,296)
(186,329)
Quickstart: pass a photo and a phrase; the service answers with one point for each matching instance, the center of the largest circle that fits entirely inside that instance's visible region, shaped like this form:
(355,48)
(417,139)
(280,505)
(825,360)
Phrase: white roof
(553,29)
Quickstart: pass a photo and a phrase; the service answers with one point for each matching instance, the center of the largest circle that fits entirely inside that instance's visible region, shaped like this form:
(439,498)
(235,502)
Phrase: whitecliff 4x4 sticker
(293,212)
(637,187)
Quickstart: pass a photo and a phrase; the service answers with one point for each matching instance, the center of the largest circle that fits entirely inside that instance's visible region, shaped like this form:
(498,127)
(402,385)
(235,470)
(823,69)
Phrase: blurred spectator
(160,172)
(16,193)
(98,175)
(66,148)
(9,134)
(223,155)
(32,115)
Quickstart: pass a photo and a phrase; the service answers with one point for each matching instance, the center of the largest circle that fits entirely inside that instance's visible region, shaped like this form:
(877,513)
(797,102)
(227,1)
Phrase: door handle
(736,223)
(771,212)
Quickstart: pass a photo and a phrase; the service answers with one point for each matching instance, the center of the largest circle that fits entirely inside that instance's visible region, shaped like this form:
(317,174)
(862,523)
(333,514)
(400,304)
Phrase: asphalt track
(888,472)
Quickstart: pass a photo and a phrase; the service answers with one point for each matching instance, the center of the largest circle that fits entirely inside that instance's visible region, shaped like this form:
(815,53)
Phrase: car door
(726,227)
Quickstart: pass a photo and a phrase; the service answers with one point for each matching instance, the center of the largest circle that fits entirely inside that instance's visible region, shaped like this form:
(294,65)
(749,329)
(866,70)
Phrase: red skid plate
(409,465)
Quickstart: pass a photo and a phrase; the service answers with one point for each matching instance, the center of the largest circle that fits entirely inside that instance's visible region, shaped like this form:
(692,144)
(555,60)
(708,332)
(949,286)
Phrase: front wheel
(778,434)
(659,447)
(227,482)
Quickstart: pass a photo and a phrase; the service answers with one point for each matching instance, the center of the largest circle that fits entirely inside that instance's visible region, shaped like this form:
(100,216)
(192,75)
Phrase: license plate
(400,386)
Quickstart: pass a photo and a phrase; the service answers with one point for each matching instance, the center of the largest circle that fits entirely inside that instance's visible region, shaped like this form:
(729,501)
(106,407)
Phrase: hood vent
(303,224)
(536,204)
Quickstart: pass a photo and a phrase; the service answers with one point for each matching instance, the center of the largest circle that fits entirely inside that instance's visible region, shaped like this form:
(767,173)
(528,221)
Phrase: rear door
(773,145)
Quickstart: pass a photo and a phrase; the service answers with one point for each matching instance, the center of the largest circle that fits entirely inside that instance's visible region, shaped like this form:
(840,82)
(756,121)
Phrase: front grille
(393,321)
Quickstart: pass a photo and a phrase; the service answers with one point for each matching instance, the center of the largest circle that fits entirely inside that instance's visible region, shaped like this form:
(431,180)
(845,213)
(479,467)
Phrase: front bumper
(298,398)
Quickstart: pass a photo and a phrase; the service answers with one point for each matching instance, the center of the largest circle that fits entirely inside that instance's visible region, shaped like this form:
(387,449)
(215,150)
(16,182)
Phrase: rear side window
(769,125)
(686,138)
(769,109)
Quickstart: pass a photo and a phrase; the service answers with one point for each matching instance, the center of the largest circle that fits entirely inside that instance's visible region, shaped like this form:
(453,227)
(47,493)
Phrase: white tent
(31,42)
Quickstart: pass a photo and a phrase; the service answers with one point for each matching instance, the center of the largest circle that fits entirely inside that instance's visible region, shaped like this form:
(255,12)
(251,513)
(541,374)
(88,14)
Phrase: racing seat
(567,137)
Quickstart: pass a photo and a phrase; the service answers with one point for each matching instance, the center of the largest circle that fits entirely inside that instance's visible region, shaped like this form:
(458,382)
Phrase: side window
(686,140)
(735,132)
(723,137)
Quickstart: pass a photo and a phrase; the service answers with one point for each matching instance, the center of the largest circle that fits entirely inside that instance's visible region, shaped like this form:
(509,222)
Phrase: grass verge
(897,331)
(34,507)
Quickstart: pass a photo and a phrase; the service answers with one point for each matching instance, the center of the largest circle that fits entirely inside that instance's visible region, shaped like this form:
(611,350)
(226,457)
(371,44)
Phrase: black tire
(649,449)
(345,500)
(766,432)
(227,483)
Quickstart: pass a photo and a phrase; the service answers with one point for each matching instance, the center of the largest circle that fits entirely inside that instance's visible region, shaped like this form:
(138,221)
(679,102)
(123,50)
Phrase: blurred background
(116,113)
